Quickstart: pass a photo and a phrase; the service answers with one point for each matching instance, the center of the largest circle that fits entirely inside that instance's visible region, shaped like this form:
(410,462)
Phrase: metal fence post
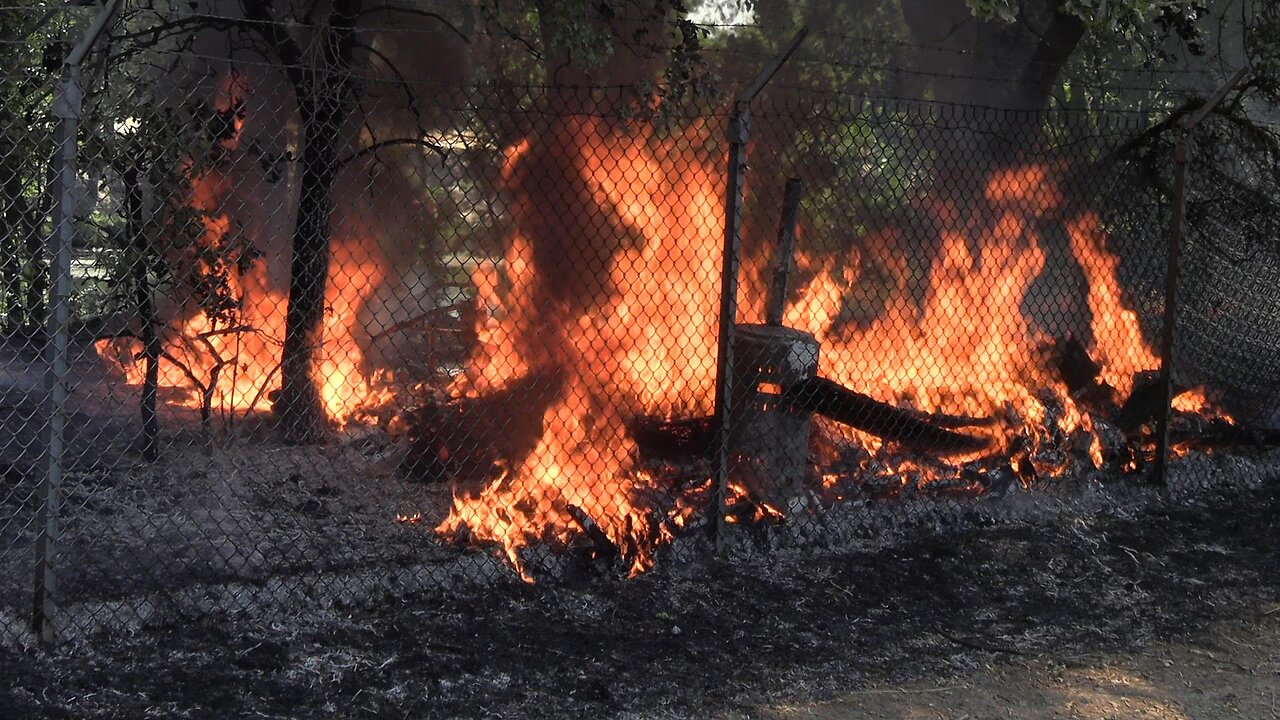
(739,133)
(66,108)
(67,105)
(1168,345)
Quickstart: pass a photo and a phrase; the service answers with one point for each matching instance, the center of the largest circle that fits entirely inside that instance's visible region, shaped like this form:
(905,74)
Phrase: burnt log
(466,439)
(1218,432)
(678,440)
(912,430)
(599,546)
(1146,401)
(1083,377)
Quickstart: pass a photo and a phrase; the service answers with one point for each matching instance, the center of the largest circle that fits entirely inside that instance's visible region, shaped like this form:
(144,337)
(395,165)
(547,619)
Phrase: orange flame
(617,362)
(232,363)
(636,332)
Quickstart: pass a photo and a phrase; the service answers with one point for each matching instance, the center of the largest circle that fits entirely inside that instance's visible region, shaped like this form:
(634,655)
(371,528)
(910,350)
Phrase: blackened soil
(728,637)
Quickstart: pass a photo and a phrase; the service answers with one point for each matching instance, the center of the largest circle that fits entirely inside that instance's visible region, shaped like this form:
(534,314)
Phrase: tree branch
(375,147)
(404,83)
(419,13)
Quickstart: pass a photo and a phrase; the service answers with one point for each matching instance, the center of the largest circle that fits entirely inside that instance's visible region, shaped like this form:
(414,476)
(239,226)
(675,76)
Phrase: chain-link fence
(333,352)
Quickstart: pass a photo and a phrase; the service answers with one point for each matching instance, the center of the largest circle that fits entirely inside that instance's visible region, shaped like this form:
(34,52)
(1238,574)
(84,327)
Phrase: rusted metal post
(787,231)
(739,134)
(67,106)
(1168,332)
(1168,335)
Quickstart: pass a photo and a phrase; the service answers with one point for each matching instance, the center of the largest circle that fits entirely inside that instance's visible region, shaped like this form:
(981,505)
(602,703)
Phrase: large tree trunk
(299,404)
(990,62)
(1042,71)
(322,92)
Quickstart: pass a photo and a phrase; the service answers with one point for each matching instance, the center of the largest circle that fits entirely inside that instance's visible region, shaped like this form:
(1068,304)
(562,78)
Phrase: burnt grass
(695,639)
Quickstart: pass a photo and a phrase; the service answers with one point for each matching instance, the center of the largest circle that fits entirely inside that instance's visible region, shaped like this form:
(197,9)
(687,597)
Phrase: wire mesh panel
(26,144)
(332,344)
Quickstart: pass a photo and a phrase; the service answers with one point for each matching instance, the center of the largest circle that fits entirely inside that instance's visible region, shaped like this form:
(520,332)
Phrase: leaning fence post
(1181,158)
(67,106)
(739,134)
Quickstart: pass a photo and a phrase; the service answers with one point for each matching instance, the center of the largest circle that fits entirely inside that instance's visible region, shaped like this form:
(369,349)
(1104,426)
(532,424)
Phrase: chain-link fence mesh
(24,210)
(332,352)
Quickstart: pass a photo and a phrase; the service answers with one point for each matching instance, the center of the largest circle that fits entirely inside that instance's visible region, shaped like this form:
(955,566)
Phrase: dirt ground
(1229,670)
(1169,612)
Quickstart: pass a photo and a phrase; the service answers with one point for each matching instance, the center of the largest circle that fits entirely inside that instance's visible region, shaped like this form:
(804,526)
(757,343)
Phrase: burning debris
(606,295)
(583,410)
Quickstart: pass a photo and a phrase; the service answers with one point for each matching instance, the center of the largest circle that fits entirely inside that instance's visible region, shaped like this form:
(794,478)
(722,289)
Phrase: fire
(234,366)
(584,468)
(1118,342)
(611,276)
(229,360)
(578,465)
(608,288)
(961,351)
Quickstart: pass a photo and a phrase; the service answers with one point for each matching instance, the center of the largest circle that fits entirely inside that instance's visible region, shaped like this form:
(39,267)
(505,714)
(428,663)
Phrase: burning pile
(607,295)
(583,408)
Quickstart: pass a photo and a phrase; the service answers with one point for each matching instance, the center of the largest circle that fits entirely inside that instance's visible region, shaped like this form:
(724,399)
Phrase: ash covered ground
(765,623)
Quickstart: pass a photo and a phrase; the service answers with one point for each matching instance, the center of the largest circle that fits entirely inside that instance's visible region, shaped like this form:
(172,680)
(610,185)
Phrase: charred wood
(463,439)
(600,546)
(1145,402)
(673,439)
(913,430)
(1083,377)
(1191,431)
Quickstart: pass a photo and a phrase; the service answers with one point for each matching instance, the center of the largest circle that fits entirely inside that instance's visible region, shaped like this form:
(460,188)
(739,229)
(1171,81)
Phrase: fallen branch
(425,318)
(913,430)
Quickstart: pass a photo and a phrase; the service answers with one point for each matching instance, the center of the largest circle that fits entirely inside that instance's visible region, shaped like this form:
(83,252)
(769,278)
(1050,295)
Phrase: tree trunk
(140,266)
(1054,48)
(299,405)
(322,107)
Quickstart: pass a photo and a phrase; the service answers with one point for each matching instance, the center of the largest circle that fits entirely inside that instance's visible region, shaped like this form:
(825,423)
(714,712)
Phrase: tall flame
(619,361)
(631,321)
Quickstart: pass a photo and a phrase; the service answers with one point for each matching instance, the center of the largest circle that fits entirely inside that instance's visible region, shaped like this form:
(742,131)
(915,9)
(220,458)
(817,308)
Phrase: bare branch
(420,13)
(375,147)
(400,79)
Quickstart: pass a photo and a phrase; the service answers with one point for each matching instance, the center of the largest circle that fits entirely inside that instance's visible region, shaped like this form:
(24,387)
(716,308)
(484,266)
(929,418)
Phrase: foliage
(31,56)
(650,46)
(148,158)
(1262,44)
